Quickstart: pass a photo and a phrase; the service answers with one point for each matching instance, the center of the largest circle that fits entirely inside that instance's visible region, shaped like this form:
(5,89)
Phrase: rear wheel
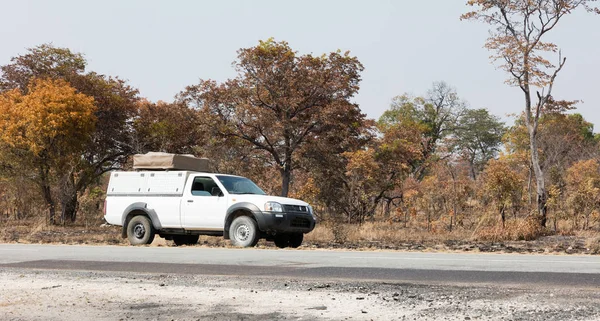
(243,232)
(282,240)
(140,230)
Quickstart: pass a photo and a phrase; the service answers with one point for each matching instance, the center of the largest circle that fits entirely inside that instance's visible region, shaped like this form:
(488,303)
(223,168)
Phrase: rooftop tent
(166,161)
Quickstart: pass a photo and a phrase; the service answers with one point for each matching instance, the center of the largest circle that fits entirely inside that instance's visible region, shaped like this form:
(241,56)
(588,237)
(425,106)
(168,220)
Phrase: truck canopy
(147,183)
(166,161)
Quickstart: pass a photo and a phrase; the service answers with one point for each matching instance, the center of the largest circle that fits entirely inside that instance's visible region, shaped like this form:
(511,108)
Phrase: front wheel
(296,239)
(140,230)
(244,232)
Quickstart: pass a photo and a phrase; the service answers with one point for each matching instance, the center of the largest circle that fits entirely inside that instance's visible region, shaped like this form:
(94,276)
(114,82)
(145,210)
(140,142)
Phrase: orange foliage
(51,118)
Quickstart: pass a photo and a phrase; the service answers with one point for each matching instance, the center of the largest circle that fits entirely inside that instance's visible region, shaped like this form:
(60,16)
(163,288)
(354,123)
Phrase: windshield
(240,185)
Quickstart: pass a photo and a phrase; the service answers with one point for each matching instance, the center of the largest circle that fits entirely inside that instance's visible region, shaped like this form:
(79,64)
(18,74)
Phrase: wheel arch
(135,209)
(241,209)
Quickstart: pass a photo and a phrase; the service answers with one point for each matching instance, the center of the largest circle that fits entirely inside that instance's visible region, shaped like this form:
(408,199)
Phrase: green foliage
(478,137)
(434,116)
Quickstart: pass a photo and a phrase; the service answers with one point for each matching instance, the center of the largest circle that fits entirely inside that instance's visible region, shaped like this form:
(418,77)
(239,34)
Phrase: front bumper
(286,222)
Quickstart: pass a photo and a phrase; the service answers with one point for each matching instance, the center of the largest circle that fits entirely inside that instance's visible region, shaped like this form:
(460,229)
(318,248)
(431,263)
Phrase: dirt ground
(70,295)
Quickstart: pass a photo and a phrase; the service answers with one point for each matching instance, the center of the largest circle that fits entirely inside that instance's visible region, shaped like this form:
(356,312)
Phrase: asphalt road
(468,268)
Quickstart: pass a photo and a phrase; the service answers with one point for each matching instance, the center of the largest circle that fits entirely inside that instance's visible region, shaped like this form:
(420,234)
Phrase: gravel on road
(76,295)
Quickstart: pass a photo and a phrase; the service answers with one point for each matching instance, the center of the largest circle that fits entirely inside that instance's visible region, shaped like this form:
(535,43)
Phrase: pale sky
(162,46)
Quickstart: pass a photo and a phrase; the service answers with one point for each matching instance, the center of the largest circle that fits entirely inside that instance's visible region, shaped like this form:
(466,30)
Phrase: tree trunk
(472,169)
(47,194)
(286,177)
(529,186)
(532,127)
(69,198)
(69,207)
(542,196)
(387,206)
(50,203)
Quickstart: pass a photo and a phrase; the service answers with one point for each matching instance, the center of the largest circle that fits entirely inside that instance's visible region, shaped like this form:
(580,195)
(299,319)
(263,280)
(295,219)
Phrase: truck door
(203,205)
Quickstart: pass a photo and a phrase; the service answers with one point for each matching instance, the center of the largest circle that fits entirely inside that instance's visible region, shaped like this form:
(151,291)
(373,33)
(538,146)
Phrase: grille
(300,222)
(295,208)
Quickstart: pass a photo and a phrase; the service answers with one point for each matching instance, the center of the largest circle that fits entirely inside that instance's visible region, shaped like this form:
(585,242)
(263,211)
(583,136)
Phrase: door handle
(190,201)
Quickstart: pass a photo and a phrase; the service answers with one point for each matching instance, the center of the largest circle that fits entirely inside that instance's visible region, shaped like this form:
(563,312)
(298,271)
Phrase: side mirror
(215,191)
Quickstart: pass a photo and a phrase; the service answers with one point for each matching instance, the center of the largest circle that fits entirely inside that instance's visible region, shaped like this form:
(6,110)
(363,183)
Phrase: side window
(205,186)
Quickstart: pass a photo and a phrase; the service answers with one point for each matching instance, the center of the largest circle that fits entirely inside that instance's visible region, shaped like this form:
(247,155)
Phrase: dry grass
(514,230)
(380,234)
(518,236)
(39,231)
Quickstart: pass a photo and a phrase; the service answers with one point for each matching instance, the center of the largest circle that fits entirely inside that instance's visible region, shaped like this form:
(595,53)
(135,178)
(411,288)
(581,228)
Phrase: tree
(445,193)
(517,39)
(355,183)
(111,141)
(282,102)
(435,115)
(502,183)
(49,127)
(44,61)
(562,140)
(583,184)
(166,127)
(478,137)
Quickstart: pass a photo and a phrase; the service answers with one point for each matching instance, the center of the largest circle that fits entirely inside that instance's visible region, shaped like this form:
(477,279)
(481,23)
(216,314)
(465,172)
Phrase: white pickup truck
(181,205)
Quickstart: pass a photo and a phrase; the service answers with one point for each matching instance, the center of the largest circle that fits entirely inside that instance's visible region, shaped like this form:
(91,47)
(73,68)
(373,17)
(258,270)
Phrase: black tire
(296,239)
(282,240)
(243,232)
(140,230)
(185,239)
(192,239)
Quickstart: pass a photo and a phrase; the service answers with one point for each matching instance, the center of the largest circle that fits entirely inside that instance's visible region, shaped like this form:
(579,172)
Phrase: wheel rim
(242,232)
(139,231)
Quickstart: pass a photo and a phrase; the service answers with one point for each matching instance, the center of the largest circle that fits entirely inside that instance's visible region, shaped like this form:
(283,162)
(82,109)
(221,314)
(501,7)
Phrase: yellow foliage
(583,185)
(501,181)
(51,116)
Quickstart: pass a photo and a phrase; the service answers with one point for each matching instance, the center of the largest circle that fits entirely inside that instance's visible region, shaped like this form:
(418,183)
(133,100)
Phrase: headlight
(273,207)
(312,212)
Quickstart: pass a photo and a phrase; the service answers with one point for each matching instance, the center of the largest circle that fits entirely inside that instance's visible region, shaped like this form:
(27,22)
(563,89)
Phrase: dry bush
(90,210)
(379,232)
(395,233)
(593,244)
(321,234)
(515,230)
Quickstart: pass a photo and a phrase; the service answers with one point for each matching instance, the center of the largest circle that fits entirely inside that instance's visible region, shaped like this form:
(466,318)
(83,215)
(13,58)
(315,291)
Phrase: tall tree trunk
(542,196)
(286,177)
(47,194)
(387,206)
(69,198)
(69,207)
(532,127)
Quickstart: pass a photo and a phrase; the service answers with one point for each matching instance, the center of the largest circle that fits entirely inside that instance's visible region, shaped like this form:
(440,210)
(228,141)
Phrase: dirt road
(77,295)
